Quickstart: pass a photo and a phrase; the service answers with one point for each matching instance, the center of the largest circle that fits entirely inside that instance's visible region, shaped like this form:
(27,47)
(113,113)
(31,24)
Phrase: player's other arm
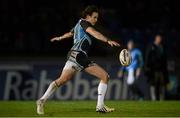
(64,36)
(101,37)
(140,60)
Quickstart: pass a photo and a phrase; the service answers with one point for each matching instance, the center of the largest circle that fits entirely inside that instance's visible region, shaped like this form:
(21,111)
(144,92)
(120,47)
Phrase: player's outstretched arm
(66,35)
(101,37)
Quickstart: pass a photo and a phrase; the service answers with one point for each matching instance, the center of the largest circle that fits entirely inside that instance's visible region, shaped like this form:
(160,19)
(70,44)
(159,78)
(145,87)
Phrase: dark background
(26,26)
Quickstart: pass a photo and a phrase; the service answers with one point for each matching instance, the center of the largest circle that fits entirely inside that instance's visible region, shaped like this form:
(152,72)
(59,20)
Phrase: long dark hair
(89,10)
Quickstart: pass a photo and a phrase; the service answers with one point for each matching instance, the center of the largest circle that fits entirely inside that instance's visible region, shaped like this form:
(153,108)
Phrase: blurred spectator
(156,68)
(134,73)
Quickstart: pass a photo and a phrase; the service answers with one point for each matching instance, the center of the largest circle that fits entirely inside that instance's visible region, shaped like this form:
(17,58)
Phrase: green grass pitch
(87,109)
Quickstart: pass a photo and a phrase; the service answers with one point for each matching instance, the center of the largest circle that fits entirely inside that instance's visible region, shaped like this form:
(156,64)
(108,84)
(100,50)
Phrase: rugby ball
(125,57)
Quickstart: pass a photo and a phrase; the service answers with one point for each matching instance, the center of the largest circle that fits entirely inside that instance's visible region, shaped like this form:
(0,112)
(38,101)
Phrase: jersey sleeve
(85,24)
(140,56)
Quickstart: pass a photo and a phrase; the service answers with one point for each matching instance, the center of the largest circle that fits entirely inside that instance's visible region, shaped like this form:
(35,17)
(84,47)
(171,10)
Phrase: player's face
(130,45)
(93,18)
(158,40)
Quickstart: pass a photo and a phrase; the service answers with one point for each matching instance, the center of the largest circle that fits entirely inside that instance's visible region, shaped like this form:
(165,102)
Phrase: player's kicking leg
(65,76)
(103,76)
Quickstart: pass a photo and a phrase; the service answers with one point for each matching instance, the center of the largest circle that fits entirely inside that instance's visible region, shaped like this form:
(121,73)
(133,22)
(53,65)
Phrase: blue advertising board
(29,82)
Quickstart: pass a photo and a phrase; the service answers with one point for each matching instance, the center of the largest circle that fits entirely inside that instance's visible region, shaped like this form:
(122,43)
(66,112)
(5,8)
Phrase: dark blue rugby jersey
(82,39)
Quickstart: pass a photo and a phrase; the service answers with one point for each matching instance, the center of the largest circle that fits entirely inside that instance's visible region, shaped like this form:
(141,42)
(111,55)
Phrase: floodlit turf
(87,109)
